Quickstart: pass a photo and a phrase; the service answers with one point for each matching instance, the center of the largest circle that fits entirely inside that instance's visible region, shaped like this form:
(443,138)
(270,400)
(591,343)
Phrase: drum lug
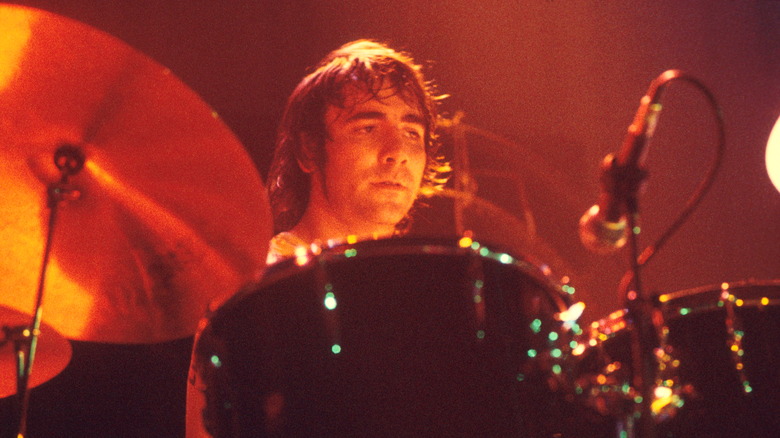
(735,332)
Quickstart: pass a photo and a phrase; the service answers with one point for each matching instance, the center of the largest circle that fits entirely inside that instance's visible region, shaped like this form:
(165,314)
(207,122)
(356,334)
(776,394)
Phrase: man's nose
(395,147)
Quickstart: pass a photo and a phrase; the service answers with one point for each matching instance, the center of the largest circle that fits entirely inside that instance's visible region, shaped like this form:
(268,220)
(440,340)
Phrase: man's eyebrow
(376,115)
(414,118)
(366,115)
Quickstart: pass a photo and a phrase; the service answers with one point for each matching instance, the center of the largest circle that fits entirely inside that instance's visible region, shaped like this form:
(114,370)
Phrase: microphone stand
(622,178)
(626,180)
(69,160)
(644,339)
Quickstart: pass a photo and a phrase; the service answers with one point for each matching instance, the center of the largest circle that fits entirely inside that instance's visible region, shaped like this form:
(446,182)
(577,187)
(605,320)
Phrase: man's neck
(321,226)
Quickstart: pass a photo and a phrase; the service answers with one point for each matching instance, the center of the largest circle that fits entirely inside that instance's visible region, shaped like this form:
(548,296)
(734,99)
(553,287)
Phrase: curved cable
(702,189)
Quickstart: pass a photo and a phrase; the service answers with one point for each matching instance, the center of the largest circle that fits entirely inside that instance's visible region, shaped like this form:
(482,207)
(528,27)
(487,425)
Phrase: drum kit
(129,206)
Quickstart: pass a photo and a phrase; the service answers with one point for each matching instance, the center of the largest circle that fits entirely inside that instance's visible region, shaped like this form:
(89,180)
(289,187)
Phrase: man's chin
(387,219)
(381,213)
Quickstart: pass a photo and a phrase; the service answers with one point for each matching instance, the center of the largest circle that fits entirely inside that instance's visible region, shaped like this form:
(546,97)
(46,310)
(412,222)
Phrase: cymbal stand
(463,180)
(69,160)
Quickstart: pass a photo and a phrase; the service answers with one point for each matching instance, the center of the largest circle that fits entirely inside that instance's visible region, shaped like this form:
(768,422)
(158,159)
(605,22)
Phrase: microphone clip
(620,183)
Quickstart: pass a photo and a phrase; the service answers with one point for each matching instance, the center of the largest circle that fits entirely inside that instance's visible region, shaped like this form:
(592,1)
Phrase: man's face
(375,160)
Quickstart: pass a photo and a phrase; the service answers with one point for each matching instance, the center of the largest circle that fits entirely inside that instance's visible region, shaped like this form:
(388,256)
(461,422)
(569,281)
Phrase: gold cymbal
(172,211)
(52,353)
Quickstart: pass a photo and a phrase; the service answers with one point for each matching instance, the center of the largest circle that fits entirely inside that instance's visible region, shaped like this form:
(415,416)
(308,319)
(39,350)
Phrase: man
(355,148)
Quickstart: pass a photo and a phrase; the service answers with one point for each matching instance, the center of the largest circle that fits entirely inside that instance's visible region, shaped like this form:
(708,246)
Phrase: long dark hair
(372,66)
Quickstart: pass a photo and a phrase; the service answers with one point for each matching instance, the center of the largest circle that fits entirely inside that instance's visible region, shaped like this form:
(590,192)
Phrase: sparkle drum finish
(727,339)
(399,337)
(723,360)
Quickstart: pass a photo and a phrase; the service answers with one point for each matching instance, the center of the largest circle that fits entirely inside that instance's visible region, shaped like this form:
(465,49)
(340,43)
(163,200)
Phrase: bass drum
(388,338)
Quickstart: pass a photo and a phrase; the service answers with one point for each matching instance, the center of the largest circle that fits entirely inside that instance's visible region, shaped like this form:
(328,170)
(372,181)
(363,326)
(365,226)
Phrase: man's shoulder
(283,245)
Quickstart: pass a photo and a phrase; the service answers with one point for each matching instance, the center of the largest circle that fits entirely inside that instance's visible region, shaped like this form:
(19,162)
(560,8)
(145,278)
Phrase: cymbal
(494,225)
(172,211)
(52,353)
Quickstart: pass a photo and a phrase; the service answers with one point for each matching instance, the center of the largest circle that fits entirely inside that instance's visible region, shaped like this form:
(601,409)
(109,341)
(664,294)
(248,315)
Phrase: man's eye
(367,129)
(413,134)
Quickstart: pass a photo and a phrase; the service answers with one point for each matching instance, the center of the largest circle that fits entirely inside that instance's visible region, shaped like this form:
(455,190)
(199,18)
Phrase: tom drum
(725,341)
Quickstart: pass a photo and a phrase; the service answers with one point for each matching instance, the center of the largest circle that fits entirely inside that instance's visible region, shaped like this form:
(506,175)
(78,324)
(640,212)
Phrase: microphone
(603,227)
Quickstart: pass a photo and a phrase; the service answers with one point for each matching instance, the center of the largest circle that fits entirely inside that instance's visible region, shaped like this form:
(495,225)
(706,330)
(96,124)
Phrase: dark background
(559,81)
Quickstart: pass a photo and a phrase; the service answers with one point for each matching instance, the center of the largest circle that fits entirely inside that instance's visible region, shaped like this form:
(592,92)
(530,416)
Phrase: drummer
(355,148)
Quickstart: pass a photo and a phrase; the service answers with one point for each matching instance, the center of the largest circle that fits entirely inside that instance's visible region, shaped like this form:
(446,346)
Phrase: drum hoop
(415,246)
(744,293)
(729,285)
(615,322)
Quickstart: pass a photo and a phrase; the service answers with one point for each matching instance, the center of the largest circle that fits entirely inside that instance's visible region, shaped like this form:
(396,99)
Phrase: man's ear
(308,153)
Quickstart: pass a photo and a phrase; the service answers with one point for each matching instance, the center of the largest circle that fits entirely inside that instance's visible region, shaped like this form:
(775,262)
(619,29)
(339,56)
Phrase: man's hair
(370,66)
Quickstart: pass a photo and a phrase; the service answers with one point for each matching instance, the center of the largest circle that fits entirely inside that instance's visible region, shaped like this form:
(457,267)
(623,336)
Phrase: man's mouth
(389,185)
